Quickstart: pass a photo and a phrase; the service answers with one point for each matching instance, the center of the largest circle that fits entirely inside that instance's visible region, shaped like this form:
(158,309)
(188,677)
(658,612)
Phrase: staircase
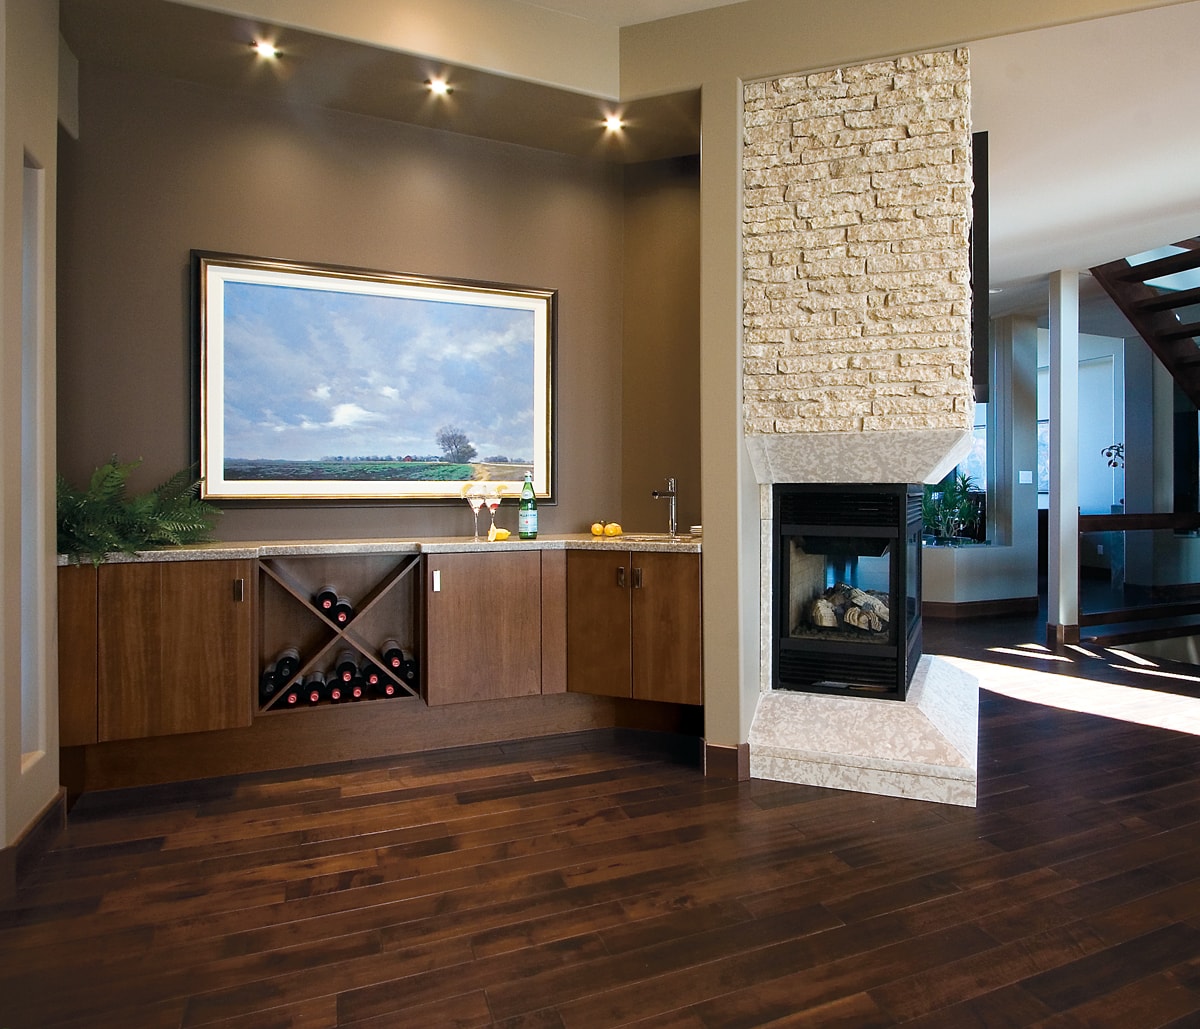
(1161,299)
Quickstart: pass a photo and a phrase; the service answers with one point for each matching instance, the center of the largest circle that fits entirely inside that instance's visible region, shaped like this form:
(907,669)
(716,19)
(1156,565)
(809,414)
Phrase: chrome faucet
(669,495)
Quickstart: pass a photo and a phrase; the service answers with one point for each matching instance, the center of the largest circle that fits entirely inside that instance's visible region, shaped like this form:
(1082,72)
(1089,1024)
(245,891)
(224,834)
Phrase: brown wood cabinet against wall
(483,626)
(76,655)
(633,625)
(174,641)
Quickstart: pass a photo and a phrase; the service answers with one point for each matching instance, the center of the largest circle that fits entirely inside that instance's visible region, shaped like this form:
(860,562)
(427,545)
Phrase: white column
(1062,601)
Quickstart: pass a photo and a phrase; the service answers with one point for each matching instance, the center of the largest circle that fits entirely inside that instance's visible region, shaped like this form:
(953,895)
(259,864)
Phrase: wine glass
(492,498)
(475,496)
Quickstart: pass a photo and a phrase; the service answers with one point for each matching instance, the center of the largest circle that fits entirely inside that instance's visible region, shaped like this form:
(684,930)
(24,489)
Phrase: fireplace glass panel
(840,588)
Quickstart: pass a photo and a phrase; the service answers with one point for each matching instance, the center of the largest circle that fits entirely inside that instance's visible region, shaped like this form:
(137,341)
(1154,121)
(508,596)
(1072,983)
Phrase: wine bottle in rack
(393,655)
(292,697)
(314,687)
(355,689)
(325,598)
(335,690)
(408,671)
(343,610)
(370,674)
(268,685)
(286,664)
(346,667)
(384,688)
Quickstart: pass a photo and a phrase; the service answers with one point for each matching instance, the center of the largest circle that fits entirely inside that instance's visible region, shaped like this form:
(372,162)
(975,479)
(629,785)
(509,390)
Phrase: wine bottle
(292,697)
(268,685)
(527,518)
(347,665)
(370,674)
(393,655)
(342,610)
(287,664)
(333,690)
(314,687)
(355,689)
(384,688)
(408,672)
(325,598)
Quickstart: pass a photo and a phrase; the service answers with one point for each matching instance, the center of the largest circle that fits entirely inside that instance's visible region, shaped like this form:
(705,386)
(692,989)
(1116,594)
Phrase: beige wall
(162,168)
(29,761)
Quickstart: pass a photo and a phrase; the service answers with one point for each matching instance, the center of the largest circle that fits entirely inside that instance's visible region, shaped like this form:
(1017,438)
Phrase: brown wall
(163,167)
(661,368)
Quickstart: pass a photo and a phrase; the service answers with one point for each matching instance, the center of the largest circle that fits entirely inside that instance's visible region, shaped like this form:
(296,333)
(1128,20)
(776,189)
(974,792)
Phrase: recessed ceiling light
(439,87)
(264,48)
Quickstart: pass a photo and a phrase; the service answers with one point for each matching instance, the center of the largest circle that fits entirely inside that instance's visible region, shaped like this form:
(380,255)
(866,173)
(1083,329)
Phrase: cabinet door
(174,647)
(666,627)
(76,655)
(483,635)
(598,654)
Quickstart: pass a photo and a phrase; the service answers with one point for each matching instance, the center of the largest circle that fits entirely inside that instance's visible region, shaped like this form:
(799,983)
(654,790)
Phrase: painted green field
(350,471)
(370,471)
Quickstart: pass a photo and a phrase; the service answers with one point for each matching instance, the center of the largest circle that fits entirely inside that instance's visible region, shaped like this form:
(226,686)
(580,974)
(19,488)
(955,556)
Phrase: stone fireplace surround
(856,369)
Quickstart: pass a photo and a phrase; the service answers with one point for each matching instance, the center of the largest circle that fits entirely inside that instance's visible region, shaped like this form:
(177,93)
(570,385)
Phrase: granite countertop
(256,549)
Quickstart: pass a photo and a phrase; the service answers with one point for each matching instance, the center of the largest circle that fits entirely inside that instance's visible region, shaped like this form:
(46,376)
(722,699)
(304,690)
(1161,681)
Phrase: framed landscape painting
(327,383)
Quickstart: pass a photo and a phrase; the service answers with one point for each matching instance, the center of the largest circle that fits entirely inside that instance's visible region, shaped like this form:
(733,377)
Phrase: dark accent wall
(163,167)
(661,374)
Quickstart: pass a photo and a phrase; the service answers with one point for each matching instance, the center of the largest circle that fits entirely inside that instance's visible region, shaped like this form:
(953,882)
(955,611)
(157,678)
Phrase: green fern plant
(103,519)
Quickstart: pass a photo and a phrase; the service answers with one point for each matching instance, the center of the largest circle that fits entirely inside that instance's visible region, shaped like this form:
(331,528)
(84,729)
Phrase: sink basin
(653,537)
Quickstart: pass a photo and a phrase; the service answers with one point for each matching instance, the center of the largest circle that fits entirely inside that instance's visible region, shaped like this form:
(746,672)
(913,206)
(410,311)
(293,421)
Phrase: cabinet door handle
(637,578)
(239,590)
(621,576)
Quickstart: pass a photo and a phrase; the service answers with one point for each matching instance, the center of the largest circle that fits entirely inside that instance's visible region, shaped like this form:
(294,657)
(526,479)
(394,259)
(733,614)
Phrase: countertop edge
(256,550)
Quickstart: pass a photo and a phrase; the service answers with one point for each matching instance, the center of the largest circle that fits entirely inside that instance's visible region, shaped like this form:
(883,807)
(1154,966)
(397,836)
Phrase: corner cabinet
(633,625)
(173,645)
(483,626)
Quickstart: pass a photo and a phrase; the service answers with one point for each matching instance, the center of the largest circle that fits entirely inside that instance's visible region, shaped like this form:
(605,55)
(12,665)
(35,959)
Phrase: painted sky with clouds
(315,373)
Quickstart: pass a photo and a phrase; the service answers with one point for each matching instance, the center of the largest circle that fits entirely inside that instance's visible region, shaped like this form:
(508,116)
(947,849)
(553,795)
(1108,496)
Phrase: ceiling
(1086,162)
(211,48)
(627,12)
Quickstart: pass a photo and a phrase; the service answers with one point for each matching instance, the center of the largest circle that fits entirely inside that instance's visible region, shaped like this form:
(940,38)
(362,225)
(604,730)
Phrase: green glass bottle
(527,511)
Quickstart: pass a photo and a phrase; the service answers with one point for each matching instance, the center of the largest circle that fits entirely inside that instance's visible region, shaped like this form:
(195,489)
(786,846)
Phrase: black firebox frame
(887,512)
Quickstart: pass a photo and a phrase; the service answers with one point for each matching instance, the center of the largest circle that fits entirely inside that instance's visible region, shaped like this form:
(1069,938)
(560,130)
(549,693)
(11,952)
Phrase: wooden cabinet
(633,625)
(483,626)
(174,647)
(154,648)
(77,681)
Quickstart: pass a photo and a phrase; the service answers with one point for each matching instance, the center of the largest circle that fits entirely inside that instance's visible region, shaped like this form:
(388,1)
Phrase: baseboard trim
(16,860)
(980,608)
(722,761)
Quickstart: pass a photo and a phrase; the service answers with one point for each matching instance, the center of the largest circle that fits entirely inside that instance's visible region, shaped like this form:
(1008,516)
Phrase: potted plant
(951,511)
(103,519)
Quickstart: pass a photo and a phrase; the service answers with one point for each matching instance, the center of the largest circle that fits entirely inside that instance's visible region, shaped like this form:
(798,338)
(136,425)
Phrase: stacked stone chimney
(857,295)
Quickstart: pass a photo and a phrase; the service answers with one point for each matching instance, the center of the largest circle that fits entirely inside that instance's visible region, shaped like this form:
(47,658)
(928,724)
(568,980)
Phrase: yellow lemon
(612,529)
(502,534)
(597,528)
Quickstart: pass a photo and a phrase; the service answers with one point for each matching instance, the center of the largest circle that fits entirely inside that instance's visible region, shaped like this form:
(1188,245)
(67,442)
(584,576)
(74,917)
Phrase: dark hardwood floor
(601,880)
